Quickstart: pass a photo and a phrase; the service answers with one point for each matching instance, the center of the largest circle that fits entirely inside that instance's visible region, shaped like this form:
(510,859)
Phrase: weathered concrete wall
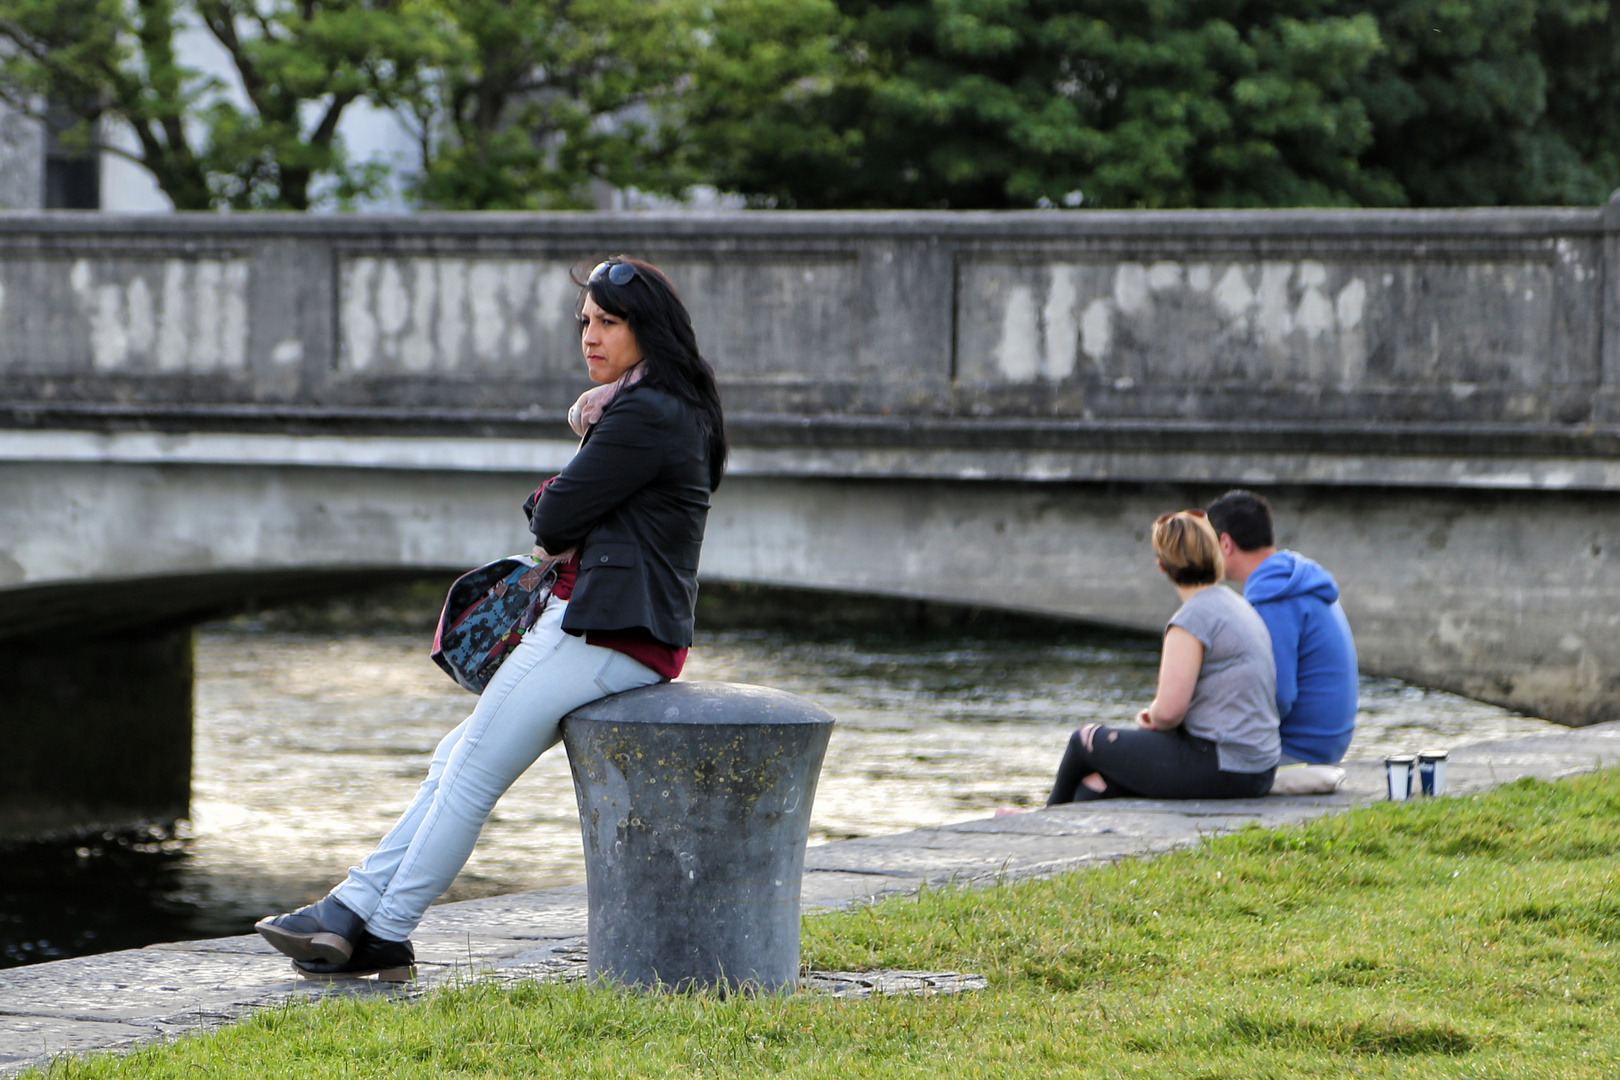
(1482,316)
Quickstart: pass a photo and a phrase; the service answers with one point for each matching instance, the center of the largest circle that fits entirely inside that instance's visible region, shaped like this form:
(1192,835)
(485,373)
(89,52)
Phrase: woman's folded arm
(623,454)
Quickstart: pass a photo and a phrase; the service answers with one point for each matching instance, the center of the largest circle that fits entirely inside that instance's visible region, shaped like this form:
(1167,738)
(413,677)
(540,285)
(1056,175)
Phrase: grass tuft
(1384,1035)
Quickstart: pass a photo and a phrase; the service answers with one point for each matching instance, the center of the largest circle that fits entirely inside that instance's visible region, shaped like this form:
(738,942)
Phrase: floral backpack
(485,616)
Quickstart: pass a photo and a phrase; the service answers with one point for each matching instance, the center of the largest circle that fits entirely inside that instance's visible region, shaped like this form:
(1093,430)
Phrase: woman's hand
(1151,721)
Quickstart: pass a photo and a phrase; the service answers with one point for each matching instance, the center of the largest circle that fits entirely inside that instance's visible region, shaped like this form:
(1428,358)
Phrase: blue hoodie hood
(1286,574)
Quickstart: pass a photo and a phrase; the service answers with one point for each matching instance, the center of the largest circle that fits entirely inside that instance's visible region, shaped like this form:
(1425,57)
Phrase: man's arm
(1283,622)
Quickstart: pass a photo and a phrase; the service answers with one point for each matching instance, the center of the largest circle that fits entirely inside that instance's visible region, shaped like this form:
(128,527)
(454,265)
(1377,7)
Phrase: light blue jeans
(548,675)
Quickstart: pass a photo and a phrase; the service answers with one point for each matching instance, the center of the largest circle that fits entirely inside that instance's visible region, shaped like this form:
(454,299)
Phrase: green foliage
(531,100)
(746,113)
(1442,938)
(1008,103)
(1495,102)
(1580,51)
(1173,103)
(525,104)
(298,65)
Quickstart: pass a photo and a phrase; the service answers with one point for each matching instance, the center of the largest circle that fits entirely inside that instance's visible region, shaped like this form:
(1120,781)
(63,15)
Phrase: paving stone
(864,984)
(941,857)
(546,913)
(238,945)
(833,889)
(450,950)
(140,984)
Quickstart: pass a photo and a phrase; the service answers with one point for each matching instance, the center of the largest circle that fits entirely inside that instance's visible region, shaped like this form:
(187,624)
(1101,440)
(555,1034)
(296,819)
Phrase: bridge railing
(1449,317)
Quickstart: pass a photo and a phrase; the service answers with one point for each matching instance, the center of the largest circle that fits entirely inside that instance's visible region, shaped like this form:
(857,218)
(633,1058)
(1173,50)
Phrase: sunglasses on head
(619,273)
(1162,518)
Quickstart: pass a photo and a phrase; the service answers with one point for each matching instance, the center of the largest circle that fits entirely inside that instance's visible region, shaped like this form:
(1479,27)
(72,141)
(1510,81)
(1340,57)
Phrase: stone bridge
(199,411)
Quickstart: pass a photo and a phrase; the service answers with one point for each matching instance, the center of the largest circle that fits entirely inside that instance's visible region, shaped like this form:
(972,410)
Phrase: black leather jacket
(634,500)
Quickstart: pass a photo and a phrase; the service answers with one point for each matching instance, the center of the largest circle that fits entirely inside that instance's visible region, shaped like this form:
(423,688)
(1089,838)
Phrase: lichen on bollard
(694,804)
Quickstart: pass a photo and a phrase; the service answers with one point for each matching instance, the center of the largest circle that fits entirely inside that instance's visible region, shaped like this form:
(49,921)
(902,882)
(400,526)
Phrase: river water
(309,742)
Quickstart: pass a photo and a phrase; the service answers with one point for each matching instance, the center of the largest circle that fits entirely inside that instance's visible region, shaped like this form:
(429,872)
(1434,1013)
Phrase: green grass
(1464,937)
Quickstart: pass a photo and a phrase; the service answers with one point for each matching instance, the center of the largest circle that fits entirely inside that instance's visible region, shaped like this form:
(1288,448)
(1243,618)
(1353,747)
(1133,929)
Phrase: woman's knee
(474,789)
(446,747)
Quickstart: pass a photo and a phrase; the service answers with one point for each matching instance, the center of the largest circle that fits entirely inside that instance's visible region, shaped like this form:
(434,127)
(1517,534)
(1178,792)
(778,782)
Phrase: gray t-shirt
(1234,703)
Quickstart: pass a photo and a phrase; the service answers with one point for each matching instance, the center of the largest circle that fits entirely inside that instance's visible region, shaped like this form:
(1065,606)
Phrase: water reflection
(308,744)
(95,894)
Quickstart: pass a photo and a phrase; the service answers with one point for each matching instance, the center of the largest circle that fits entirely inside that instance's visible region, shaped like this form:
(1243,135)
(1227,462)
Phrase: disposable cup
(1431,766)
(1398,769)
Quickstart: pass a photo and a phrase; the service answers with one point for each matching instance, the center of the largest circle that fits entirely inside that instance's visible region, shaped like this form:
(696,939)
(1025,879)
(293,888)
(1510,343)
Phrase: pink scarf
(594,402)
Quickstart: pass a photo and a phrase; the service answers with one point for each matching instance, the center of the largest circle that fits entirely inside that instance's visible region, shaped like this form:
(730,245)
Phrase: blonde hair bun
(1188,548)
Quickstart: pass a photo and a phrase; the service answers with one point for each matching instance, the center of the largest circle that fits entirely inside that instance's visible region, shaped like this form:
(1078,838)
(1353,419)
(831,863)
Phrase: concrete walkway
(120,999)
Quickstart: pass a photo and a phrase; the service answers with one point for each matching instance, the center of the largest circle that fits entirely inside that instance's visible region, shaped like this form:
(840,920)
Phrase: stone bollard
(694,801)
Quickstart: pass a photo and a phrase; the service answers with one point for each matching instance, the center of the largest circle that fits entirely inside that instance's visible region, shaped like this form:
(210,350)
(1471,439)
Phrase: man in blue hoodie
(1310,637)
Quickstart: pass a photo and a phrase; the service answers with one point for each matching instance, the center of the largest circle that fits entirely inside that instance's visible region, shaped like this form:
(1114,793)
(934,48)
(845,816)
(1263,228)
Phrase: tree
(1158,103)
(1495,102)
(1008,103)
(535,99)
(272,143)
(758,105)
(1581,52)
(846,103)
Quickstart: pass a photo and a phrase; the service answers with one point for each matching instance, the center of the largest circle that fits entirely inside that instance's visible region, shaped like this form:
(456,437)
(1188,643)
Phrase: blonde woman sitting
(1211,731)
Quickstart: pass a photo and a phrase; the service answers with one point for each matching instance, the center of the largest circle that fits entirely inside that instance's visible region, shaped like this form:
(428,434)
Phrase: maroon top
(637,642)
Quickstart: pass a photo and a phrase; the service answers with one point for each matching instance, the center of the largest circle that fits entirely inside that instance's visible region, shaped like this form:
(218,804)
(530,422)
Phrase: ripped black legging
(1153,764)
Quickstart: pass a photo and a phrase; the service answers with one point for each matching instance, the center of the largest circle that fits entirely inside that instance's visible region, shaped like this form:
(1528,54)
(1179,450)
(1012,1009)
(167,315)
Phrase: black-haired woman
(625,521)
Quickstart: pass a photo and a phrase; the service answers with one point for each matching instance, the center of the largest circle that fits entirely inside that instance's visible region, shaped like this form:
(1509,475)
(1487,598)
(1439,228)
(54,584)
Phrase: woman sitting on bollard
(625,518)
(1211,730)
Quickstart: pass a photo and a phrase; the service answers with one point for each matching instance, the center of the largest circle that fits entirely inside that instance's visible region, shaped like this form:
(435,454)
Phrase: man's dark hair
(1245,517)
